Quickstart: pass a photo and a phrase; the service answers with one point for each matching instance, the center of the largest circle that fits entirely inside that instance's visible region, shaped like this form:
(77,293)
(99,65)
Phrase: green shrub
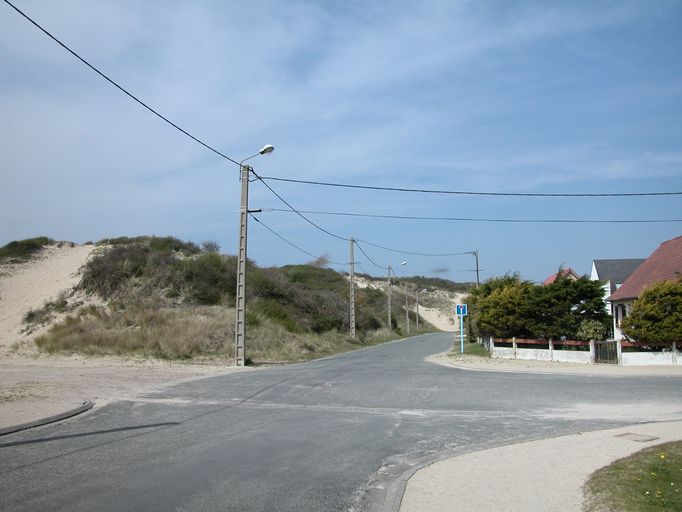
(209,278)
(24,249)
(594,330)
(657,314)
(163,244)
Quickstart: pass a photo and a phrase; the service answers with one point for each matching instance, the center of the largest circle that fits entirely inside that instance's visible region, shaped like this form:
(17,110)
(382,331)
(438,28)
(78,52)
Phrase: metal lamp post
(240,322)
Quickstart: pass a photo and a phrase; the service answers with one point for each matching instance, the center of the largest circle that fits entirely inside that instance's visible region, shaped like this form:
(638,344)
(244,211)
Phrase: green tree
(560,307)
(657,314)
(500,307)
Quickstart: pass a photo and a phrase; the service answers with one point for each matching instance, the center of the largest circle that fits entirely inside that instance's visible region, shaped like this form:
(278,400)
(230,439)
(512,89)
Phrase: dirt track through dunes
(27,286)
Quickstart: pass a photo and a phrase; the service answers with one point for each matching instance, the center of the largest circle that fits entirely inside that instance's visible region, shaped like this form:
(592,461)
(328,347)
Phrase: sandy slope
(440,318)
(28,286)
(35,385)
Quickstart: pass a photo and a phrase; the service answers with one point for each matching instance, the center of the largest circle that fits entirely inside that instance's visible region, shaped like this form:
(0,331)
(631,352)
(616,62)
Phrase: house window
(623,312)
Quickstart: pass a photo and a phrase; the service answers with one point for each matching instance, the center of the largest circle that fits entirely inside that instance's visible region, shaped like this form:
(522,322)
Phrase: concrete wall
(572,356)
(673,357)
(648,358)
(540,354)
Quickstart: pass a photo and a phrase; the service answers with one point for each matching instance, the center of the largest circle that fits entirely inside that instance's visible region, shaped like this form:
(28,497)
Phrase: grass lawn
(648,481)
(470,349)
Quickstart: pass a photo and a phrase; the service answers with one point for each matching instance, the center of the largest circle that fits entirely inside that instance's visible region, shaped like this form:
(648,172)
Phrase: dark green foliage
(421,282)
(300,298)
(558,309)
(156,243)
(24,249)
(278,312)
(108,272)
(657,315)
(509,306)
(210,278)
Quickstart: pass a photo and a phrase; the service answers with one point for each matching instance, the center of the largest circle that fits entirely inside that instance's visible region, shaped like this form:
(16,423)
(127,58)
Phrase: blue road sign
(461,309)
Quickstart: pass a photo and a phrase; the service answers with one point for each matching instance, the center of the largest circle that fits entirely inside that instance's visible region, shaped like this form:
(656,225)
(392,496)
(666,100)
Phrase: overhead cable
(119,87)
(470,193)
(298,212)
(414,253)
(291,243)
(368,258)
(474,219)
(294,210)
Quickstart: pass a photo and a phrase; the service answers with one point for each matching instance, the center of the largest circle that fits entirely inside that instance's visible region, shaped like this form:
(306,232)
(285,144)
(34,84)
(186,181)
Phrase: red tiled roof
(665,264)
(568,272)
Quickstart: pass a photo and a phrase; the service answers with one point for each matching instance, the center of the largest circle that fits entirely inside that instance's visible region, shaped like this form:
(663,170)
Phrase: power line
(119,87)
(474,219)
(470,193)
(368,258)
(308,182)
(415,253)
(297,212)
(294,210)
(291,243)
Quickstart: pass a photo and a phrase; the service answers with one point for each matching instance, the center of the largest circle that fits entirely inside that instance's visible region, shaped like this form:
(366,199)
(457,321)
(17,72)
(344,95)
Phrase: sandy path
(28,286)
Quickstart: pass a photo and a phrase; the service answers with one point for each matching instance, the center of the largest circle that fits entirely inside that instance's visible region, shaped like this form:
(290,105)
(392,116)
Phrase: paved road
(333,434)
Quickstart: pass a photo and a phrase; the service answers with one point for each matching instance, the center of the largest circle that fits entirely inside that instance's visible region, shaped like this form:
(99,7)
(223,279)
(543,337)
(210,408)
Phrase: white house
(664,264)
(613,273)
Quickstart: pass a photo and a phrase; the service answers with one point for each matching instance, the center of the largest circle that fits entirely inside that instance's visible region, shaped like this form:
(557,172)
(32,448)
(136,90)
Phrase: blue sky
(480,96)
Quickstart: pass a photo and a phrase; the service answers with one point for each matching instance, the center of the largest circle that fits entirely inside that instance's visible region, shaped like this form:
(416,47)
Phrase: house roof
(567,272)
(616,271)
(665,264)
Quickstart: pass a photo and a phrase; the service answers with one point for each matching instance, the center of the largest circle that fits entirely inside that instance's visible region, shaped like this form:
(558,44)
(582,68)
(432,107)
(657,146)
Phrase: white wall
(647,358)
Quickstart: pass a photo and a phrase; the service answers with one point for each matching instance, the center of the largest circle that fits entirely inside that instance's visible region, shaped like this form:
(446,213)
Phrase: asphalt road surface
(330,435)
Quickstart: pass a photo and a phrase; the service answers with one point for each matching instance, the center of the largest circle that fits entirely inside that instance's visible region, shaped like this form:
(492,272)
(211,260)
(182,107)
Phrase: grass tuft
(648,481)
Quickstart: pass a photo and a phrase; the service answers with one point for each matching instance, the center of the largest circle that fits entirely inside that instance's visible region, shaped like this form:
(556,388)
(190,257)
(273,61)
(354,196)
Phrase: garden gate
(605,352)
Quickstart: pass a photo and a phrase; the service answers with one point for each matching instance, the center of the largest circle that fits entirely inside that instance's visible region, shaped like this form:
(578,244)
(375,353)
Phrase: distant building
(613,273)
(567,273)
(664,264)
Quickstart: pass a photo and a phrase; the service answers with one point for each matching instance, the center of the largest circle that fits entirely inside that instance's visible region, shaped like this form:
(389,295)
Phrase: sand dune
(28,286)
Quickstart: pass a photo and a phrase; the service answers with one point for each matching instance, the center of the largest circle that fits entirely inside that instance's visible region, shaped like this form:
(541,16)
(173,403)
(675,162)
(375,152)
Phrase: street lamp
(418,292)
(240,321)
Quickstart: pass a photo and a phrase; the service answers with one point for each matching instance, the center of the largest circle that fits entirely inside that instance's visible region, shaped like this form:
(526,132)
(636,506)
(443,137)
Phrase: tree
(506,311)
(657,314)
(562,306)
(509,306)
(500,307)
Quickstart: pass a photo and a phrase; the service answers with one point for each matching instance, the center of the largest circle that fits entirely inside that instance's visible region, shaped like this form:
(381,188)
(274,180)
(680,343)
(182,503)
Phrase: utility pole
(407,311)
(240,327)
(424,290)
(478,280)
(240,318)
(352,288)
(389,297)
(417,311)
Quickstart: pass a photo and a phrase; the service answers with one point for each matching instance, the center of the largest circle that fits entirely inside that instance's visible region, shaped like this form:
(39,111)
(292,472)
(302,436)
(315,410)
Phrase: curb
(85,406)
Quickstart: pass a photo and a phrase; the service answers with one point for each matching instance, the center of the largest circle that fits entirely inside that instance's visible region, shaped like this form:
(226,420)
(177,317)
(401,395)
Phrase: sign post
(461,310)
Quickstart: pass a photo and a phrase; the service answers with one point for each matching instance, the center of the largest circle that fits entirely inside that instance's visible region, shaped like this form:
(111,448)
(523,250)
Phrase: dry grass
(192,332)
(178,333)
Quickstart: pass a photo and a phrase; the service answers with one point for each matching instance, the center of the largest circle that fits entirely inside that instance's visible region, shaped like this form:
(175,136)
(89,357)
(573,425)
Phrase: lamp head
(268,148)
(403,263)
